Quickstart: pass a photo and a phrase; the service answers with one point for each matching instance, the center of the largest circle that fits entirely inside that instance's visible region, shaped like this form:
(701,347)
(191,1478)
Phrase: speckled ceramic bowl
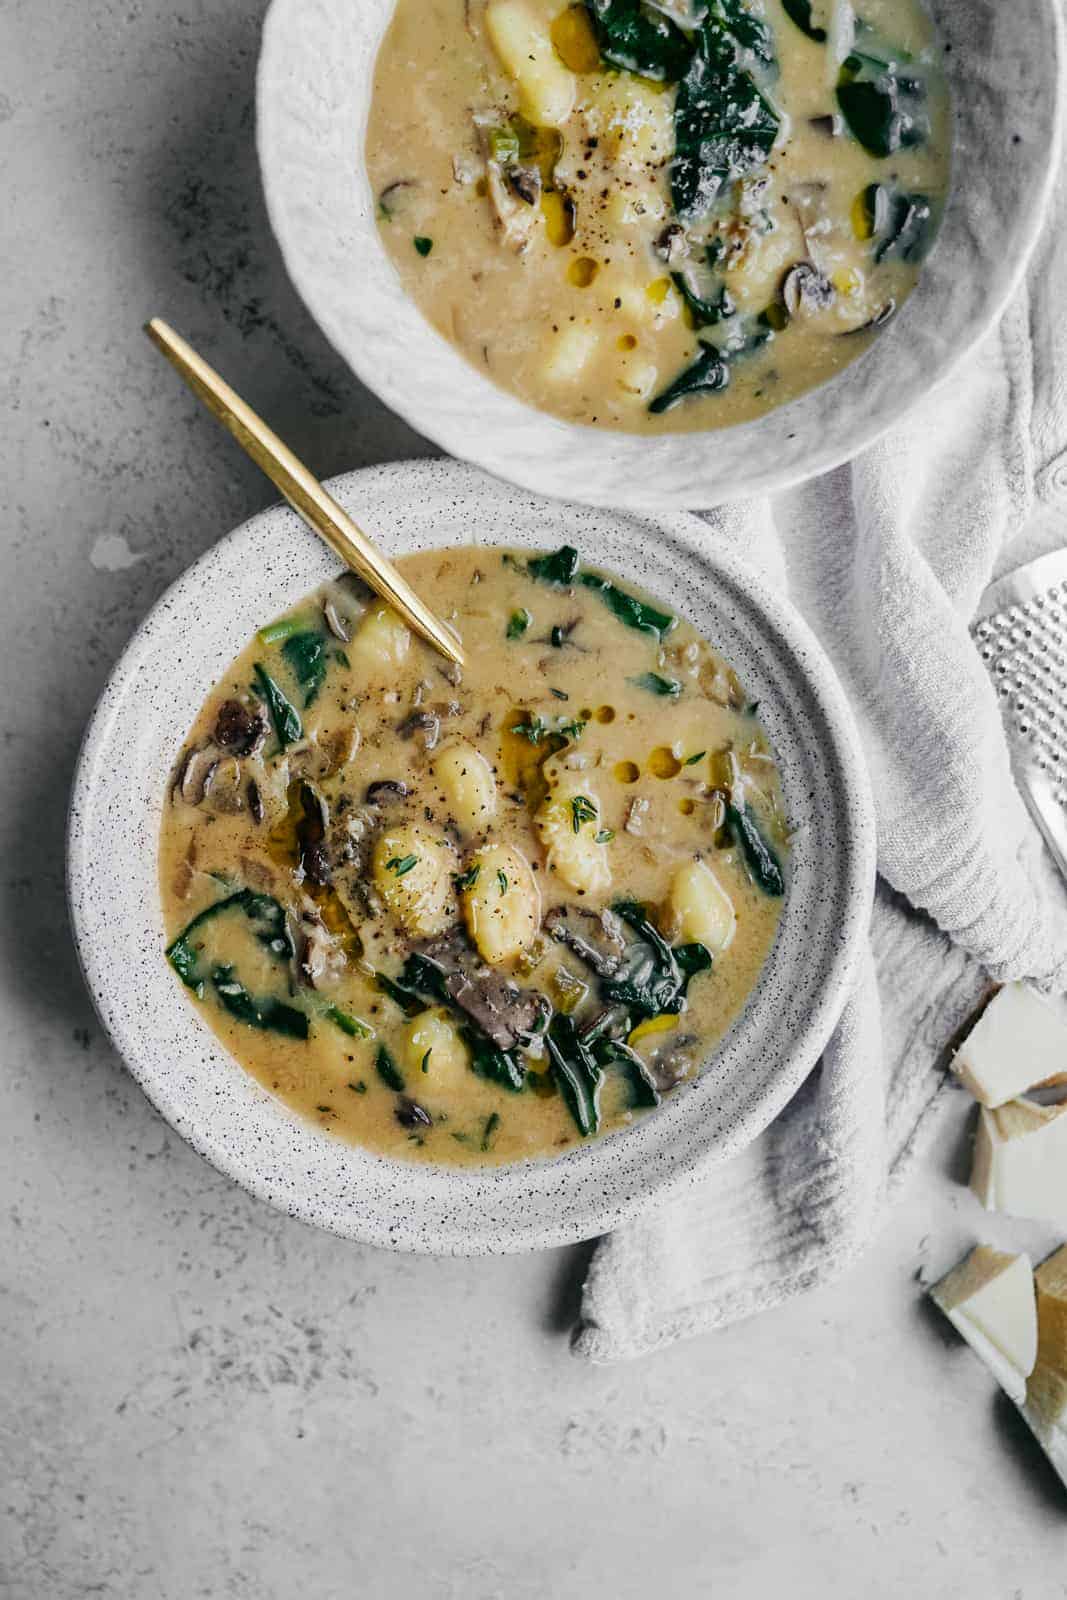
(1003,65)
(133,740)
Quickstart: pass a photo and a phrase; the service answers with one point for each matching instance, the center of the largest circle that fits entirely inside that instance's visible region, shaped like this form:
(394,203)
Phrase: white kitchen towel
(887,558)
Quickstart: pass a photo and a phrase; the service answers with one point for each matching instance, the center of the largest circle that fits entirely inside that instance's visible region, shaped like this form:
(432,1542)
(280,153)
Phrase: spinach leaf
(518,623)
(627,608)
(306,655)
(883,103)
(639,41)
(492,1123)
(897,223)
(562,568)
(709,374)
(489,1061)
(353,1026)
(643,1088)
(388,1071)
(706,312)
(652,978)
(271,1015)
(723,126)
(266,916)
(577,1073)
(750,32)
(761,861)
(559,568)
(285,717)
(409,1003)
(799,11)
(657,685)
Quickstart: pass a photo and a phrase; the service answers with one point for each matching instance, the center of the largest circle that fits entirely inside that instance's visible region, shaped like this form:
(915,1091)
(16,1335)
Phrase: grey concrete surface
(197,1396)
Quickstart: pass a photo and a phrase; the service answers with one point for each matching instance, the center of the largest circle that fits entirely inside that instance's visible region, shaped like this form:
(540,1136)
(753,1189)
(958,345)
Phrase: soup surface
(659,217)
(472,916)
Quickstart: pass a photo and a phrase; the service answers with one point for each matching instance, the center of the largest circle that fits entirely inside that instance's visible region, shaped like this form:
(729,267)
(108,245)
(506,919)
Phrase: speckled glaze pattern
(1003,64)
(133,740)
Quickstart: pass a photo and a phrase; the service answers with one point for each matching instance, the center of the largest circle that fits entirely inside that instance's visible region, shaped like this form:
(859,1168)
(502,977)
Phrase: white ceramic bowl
(314,88)
(179,652)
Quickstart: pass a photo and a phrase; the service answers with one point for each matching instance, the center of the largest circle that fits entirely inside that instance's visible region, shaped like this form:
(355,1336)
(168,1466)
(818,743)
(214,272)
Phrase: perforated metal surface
(1021,634)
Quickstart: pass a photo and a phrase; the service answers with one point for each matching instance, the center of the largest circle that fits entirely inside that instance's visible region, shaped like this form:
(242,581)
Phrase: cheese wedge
(1050,1280)
(1018,1041)
(989,1298)
(1020,1160)
(1045,1412)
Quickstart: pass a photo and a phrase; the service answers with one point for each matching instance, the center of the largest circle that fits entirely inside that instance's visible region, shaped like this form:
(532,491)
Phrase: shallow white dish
(313,94)
(130,747)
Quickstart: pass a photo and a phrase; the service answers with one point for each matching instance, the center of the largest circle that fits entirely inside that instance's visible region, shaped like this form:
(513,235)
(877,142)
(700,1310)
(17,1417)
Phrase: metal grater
(1021,634)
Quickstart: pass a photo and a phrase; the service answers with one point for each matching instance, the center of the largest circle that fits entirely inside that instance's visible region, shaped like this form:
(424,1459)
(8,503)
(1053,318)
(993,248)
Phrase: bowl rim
(598,466)
(598,1213)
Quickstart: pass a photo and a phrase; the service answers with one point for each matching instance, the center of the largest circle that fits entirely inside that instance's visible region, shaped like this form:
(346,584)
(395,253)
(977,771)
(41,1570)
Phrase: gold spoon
(302,489)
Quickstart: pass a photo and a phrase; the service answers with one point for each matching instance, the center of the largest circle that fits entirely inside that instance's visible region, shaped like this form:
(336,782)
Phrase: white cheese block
(989,1298)
(1020,1160)
(1018,1041)
(1045,1411)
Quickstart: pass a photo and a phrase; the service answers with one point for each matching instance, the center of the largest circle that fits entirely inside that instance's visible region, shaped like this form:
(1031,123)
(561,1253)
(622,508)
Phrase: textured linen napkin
(887,559)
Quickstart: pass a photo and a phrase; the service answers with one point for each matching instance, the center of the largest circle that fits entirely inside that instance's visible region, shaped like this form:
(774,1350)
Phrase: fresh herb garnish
(492,1123)
(400,865)
(605,836)
(582,810)
(502,882)
(359,1087)
(285,717)
(422,244)
(426,1059)
(518,623)
(466,880)
(655,684)
(691,761)
(388,1070)
(537,730)
(355,1027)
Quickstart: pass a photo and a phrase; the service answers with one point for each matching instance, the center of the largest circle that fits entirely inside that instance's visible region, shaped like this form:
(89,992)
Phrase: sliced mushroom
(311,836)
(385,790)
(320,955)
(255,800)
(196,773)
(426,723)
(515,218)
(336,623)
(224,786)
(806,291)
(672,245)
(586,935)
(240,729)
(524,183)
(509,1015)
(410,1114)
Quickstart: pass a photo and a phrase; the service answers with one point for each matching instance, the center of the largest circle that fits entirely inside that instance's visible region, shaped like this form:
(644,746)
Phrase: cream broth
(600,243)
(474,916)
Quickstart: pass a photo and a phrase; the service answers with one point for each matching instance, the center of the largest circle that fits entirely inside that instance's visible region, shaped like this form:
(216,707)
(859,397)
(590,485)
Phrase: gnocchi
(434,1055)
(568,826)
(468,785)
(699,910)
(501,903)
(411,873)
(381,642)
(523,42)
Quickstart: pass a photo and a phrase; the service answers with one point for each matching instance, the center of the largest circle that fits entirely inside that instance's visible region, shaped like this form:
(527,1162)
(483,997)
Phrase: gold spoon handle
(302,489)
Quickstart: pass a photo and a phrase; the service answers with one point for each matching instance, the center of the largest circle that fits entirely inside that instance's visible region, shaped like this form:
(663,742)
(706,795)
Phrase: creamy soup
(472,916)
(660,217)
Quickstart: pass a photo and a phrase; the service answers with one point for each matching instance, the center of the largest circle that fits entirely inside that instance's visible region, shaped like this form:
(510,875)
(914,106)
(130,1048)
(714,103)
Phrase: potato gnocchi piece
(382,641)
(434,1055)
(635,122)
(547,88)
(698,908)
(466,778)
(568,830)
(570,353)
(412,873)
(501,903)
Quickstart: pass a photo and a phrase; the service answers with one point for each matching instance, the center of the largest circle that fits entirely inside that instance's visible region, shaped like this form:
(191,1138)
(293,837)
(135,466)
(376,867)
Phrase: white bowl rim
(600,467)
(88,856)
